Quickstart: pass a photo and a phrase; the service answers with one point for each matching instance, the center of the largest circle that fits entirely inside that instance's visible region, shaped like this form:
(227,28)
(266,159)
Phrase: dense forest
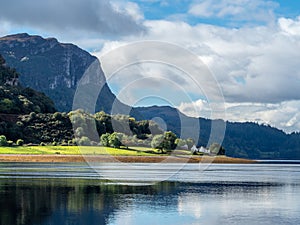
(77,126)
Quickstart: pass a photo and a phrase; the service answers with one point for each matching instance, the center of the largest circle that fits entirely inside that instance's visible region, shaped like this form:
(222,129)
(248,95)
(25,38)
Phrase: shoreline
(121,159)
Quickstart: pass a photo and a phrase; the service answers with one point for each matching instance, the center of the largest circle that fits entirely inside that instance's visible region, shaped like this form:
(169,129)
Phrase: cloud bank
(92,16)
(255,66)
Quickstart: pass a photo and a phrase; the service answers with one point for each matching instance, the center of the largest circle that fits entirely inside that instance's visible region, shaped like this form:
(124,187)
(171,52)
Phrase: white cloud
(259,64)
(128,8)
(291,27)
(5,27)
(284,115)
(80,16)
(253,65)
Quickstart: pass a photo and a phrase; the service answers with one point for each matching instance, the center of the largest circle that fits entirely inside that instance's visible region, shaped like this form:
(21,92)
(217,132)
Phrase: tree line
(82,128)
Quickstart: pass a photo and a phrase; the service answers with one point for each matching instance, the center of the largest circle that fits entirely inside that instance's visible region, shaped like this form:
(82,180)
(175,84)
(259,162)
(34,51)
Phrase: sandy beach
(125,159)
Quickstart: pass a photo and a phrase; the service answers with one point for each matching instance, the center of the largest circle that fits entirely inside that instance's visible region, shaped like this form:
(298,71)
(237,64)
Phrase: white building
(200,150)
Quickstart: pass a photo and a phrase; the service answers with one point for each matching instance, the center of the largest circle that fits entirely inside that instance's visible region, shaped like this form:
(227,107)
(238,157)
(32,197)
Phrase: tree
(79,132)
(20,142)
(190,142)
(222,151)
(164,142)
(216,149)
(104,139)
(3,141)
(6,105)
(114,141)
(169,140)
(84,141)
(157,142)
(180,143)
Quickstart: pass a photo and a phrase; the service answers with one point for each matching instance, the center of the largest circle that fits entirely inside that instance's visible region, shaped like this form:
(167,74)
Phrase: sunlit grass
(75,150)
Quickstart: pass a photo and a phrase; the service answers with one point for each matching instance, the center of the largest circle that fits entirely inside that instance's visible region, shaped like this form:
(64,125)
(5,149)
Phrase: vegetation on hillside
(242,140)
(15,99)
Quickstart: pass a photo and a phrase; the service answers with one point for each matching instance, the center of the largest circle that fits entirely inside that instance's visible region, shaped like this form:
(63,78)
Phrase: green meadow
(75,150)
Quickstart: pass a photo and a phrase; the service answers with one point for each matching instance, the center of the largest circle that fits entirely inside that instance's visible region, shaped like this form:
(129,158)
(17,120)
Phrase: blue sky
(251,48)
(159,10)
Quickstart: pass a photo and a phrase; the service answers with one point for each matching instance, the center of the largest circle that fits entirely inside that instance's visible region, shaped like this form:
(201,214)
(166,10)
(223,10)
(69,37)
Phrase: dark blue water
(32,193)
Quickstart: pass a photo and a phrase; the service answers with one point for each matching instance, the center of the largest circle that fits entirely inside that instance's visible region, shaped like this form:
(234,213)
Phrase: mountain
(53,68)
(57,70)
(18,100)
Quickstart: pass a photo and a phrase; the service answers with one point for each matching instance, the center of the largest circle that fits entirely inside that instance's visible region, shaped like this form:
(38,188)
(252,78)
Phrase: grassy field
(75,150)
(102,154)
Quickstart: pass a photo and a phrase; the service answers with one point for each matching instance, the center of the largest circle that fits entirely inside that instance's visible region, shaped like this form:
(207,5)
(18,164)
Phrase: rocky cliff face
(52,67)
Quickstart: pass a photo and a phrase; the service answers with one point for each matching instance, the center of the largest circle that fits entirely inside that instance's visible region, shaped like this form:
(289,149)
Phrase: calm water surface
(42,193)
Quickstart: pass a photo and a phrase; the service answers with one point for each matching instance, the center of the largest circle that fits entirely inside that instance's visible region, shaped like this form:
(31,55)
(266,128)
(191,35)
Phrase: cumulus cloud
(239,10)
(259,64)
(128,8)
(290,26)
(284,115)
(254,66)
(163,83)
(93,16)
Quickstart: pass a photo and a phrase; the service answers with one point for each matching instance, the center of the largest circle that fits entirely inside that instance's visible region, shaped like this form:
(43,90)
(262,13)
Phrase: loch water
(140,194)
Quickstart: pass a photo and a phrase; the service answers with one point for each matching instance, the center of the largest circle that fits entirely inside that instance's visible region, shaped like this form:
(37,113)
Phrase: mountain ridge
(52,67)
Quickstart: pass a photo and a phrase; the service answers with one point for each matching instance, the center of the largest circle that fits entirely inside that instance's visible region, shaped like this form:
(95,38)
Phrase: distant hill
(245,140)
(56,68)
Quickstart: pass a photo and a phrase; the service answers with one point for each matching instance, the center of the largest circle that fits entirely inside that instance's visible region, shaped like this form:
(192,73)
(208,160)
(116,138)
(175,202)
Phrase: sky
(251,49)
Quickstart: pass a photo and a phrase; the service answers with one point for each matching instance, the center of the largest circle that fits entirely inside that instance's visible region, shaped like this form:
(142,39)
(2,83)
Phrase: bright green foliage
(79,132)
(104,139)
(84,141)
(75,150)
(169,140)
(157,142)
(165,141)
(180,142)
(190,142)
(20,142)
(114,140)
(23,101)
(10,143)
(3,141)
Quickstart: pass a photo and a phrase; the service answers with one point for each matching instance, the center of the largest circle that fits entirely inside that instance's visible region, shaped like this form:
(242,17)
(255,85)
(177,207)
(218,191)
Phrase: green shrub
(20,142)
(70,142)
(57,116)
(3,141)
(84,141)
(10,143)
(104,139)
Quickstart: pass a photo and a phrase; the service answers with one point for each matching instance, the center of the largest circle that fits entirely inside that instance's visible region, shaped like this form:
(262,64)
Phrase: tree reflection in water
(70,201)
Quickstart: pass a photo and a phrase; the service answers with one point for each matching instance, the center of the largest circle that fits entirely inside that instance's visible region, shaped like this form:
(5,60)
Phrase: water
(73,193)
